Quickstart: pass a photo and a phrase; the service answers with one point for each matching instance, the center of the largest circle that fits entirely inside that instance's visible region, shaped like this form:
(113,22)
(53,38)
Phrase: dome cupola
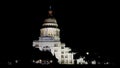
(50,21)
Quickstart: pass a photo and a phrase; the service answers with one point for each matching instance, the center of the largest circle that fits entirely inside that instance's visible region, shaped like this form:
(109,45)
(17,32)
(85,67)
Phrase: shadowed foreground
(61,66)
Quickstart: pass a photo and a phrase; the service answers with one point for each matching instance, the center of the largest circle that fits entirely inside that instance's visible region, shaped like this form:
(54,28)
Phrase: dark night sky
(84,25)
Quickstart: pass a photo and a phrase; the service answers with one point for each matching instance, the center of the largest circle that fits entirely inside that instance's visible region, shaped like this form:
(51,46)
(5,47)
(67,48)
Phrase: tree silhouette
(43,55)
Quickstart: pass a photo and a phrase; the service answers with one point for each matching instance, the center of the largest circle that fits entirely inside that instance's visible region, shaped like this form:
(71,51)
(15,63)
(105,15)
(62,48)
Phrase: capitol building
(49,40)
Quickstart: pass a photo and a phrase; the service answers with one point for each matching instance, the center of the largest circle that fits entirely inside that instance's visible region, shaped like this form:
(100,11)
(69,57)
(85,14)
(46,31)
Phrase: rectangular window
(62,52)
(70,61)
(66,61)
(62,47)
(55,50)
(70,56)
(57,33)
(66,56)
(62,61)
(55,45)
(62,56)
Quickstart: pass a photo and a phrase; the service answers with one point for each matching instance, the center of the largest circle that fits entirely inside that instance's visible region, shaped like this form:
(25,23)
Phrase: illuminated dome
(50,22)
